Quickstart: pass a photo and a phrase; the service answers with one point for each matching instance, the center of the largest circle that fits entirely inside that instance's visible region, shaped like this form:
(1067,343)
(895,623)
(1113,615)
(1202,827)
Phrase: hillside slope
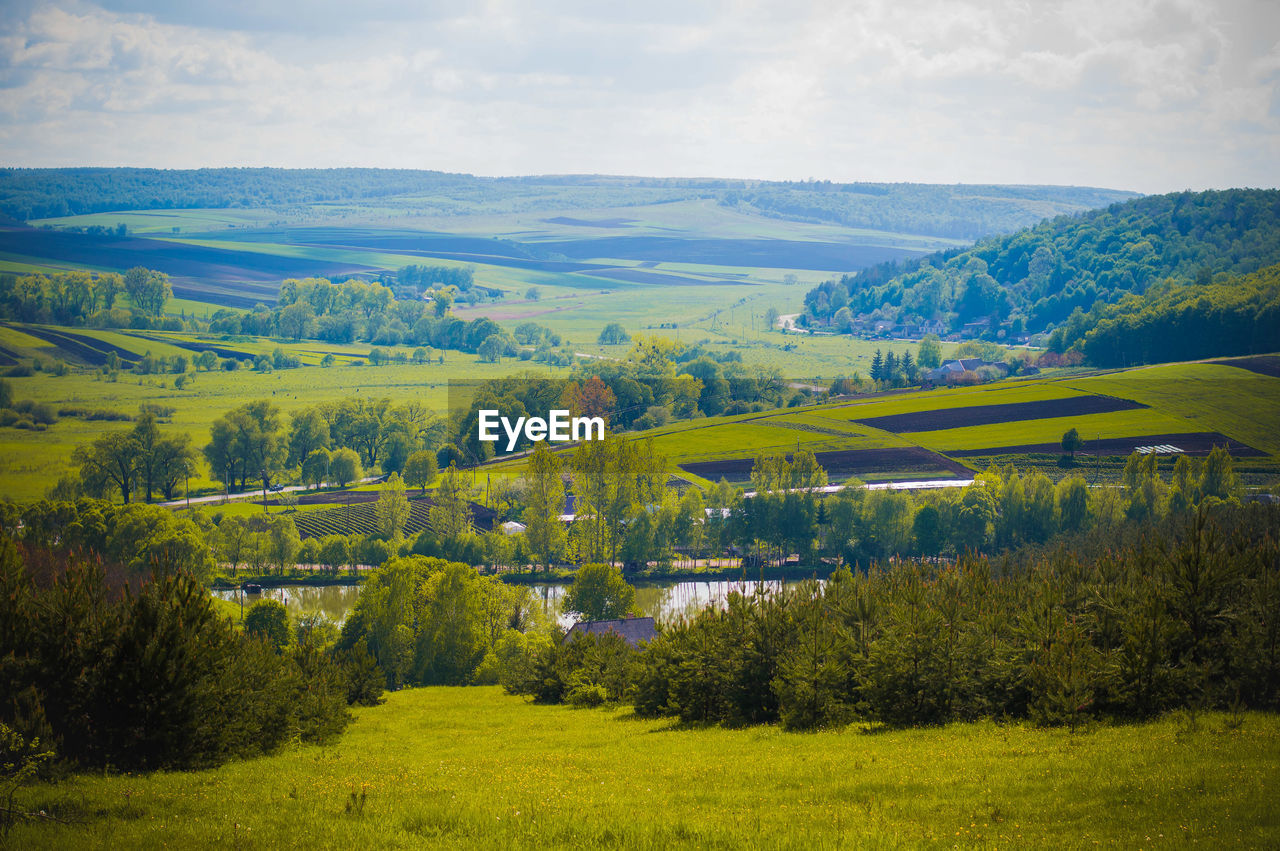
(1030,281)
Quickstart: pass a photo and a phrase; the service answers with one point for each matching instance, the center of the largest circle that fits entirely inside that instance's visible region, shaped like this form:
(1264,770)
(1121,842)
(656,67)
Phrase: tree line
(84,298)
(107,666)
(1178,322)
(1181,613)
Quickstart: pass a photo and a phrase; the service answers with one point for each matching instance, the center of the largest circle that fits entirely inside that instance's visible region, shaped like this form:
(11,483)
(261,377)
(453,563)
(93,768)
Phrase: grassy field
(31,461)
(1210,397)
(1118,424)
(471,767)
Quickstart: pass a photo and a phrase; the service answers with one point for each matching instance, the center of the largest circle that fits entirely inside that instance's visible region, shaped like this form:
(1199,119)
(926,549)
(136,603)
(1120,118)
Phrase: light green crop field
(1209,397)
(1134,423)
(947,398)
(15,340)
(473,768)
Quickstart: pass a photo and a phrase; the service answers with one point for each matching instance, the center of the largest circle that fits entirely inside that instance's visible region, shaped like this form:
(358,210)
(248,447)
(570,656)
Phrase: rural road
(787,322)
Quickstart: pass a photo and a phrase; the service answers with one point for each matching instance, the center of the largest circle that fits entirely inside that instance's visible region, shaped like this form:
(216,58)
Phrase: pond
(333,601)
(662,601)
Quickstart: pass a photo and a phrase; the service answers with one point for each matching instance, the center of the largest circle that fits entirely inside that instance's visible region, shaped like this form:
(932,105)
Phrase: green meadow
(474,768)
(1210,397)
(1136,423)
(31,461)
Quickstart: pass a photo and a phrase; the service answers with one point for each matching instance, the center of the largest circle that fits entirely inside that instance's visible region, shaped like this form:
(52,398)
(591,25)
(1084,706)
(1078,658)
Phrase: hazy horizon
(1156,97)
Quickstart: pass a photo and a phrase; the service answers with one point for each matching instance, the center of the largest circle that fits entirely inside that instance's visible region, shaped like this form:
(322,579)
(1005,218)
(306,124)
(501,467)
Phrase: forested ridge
(34,193)
(959,212)
(1174,322)
(1032,280)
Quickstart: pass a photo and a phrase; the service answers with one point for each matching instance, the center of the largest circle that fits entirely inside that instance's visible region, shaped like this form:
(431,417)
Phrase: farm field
(473,768)
(1211,397)
(31,461)
(1009,421)
(1143,421)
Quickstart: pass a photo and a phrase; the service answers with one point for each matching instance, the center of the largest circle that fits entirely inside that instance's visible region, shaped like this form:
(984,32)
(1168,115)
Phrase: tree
(451,514)
(392,509)
(283,542)
(613,334)
(908,367)
(109,463)
(296,321)
(147,289)
(544,503)
(344,467)
(269,619)
(231,541)
(421,469)
(246,442)
(770,318)
(599,592)
(1219,478)
(161,462)
(533,294)
(877,366)
(1071,442)
(490,349)
(315,468)
(930,354)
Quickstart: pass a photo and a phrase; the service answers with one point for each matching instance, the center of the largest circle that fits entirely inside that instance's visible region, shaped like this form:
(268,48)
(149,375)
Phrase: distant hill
(963,212)
(1031,281)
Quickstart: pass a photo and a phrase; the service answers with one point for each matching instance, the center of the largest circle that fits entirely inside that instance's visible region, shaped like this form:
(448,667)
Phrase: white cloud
(1153,96)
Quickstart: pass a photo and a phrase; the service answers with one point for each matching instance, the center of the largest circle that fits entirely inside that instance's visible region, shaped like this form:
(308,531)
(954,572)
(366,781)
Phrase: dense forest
(1031,281)
(960,212)
(1174,322)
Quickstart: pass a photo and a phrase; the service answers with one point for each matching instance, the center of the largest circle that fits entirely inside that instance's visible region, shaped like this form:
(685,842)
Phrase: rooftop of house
(632,630)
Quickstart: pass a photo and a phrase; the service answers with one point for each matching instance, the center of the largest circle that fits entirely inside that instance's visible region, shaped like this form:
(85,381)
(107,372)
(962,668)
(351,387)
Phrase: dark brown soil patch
(913,462)
(90,350)
(939,420)
(1261,364)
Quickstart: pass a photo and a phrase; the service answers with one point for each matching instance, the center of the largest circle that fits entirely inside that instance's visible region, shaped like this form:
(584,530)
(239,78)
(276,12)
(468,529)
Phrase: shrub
(269,620)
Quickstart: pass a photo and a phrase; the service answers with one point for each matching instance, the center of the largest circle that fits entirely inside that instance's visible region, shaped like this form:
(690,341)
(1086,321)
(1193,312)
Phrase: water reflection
(664,604)
(333,601)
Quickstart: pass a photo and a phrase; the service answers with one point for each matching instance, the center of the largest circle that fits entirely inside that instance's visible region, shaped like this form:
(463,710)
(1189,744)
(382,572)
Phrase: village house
(632,630)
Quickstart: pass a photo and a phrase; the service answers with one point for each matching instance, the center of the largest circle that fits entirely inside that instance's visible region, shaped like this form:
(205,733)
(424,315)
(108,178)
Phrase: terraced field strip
(1239,403)
(1141,422)
(902,463)
(82,347)
(359,516)
(1261,364)
(914,402)
(12,337)
(132,341)
(981,415)
(1194,443)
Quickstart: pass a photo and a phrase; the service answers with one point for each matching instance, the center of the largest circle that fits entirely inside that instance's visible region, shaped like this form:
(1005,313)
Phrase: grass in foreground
(474,768)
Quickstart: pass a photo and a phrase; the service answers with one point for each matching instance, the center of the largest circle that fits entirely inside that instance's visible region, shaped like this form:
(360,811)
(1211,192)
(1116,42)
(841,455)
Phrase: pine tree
(877,366)
(890,369)
(908,367)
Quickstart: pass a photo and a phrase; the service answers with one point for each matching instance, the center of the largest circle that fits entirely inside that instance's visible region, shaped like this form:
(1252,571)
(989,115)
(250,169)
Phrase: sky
(1149,96)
